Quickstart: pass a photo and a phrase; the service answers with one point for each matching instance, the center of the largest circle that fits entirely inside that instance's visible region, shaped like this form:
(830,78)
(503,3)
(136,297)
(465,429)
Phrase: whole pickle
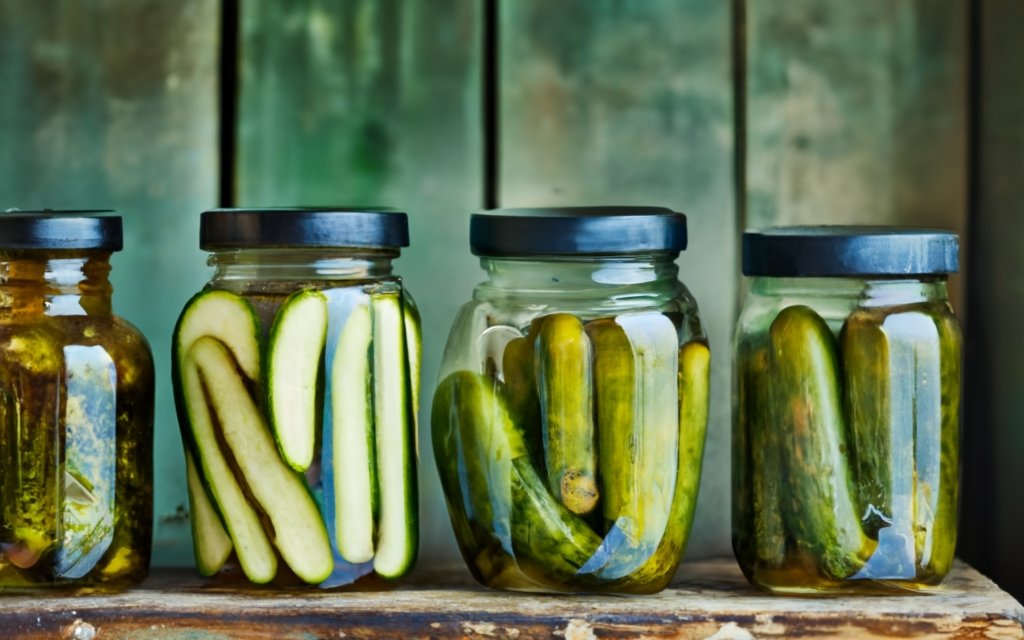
(521,391)
(636,364)
(822,511)
(563,369)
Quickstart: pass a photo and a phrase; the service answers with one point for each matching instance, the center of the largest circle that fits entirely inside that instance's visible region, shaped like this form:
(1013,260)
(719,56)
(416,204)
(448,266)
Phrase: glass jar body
(76,427)
(846,434)
(312,430)
(568,423)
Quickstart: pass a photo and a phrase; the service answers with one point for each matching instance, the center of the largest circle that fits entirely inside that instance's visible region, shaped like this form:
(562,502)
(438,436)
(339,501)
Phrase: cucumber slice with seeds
(396,464)
(211,542)
(227,317)
(298,531)
(255,553)
(294,352)
(355,484)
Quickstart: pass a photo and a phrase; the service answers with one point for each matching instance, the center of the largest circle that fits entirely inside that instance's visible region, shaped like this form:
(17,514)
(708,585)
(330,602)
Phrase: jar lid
(60,229)
(849,251)
(558,231)
(284,227)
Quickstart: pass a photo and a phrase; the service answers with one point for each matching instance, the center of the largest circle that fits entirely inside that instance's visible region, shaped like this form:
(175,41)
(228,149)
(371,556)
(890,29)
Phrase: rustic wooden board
(992,519)
(374,102)
(608,102)
(113,104)
(709,600)
(856,113)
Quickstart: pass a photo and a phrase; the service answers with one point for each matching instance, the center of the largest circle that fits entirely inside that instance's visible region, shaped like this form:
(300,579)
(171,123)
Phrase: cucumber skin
(521,391)
(759,533)
(951,362)
(822,514)
(209,560)
(563,368)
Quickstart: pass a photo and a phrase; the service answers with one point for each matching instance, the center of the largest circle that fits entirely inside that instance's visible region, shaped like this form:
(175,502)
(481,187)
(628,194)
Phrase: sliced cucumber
(255,553)
(298,531)
(396,464)
(414,344)
(227,317)
(211,542)
(294,352)
(355,483)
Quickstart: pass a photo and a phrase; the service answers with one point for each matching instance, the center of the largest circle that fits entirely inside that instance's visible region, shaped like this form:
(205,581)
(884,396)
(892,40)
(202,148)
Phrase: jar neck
(869,291)
(55,283)
(297,265)
(583,277)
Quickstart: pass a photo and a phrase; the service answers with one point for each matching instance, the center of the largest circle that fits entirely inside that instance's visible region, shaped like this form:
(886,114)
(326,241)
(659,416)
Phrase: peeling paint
(80,630)
(731,631)
(579,630)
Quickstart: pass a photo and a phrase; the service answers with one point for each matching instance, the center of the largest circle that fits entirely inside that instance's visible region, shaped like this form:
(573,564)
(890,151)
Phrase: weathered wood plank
(112,104)
(857,112)
(368,102)
(708,598)
(992,519)
(610,102)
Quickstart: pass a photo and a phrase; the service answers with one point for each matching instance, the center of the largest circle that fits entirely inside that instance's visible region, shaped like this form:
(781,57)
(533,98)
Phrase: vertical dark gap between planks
(977,502)
(228,92)
(739,127)
(491,119)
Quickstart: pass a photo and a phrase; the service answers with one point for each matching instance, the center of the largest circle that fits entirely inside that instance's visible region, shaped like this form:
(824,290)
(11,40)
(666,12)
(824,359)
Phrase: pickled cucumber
(767,476)
(694,388)
(821,513)
(521,391)
(635,376)
(563,371)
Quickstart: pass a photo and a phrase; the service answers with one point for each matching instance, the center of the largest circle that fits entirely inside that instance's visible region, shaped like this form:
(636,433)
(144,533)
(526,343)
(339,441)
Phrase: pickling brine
(296,377)
(568,423)
(76,410)
(847,424)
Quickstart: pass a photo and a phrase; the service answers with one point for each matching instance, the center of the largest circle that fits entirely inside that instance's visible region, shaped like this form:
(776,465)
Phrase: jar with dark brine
(296,373)
(568,423)
(847,410)
(76,409)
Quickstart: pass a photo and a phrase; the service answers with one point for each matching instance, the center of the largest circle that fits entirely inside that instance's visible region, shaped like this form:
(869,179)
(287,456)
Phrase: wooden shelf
(709,599)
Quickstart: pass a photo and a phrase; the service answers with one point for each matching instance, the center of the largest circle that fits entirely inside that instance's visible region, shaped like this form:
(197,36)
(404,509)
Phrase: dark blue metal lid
(560,231)
(849,251)
(60,229)
(296,227)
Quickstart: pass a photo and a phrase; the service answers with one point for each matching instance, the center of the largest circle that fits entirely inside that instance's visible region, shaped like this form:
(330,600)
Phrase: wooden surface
(112,104)
(710,599)
(609,102)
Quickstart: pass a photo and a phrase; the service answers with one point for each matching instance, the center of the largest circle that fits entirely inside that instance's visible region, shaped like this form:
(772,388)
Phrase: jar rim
(849,250)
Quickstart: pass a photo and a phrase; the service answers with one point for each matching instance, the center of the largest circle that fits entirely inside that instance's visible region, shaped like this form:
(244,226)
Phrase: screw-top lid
(302,227)
(60,229)
(849,251)
(558,231)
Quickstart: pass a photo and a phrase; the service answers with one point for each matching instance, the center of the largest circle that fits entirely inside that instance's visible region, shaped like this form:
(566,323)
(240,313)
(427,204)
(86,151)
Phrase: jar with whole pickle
(847,410)
(76,409)
(296,373)
(568,423)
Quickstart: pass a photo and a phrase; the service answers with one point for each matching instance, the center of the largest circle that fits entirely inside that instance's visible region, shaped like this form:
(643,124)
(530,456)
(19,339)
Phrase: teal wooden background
(741,113)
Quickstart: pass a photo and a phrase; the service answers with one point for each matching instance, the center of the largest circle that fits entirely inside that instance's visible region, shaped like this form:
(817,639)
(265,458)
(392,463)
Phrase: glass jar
(76,409)
(568,424)
(296,373)
(847,410)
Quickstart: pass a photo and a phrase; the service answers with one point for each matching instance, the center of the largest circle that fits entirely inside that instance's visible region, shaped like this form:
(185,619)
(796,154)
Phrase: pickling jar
(76,409)
(569,419)
(296,373)
(846,410)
